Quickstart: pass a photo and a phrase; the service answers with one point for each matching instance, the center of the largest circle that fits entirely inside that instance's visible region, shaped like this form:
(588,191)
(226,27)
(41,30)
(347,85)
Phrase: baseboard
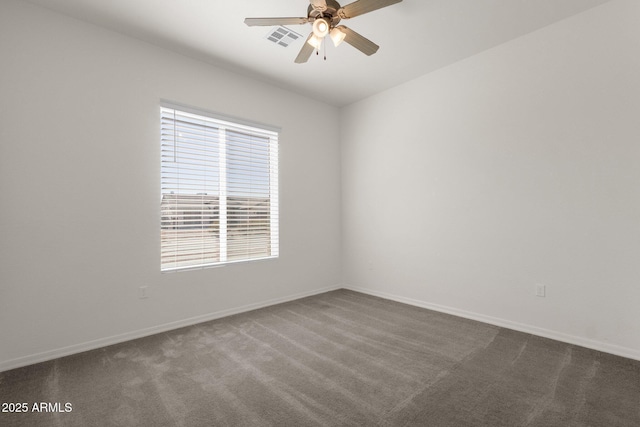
(141,333)
(103,342)
(533,330)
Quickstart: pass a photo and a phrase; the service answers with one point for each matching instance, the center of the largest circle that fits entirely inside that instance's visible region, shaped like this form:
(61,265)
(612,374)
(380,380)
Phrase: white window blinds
(219,191)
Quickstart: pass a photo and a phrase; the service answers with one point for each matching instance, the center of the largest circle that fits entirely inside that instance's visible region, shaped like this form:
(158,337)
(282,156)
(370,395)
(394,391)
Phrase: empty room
(320,213)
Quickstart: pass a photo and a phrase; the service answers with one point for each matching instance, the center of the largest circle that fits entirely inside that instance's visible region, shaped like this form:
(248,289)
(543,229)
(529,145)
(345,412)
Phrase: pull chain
(324,48)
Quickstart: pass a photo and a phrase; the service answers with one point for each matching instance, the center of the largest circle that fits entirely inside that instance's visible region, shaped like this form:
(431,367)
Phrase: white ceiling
(415,36)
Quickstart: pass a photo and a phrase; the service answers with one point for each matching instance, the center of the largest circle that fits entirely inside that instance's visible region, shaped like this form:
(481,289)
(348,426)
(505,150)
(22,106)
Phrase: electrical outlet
(142,292)
(540,291)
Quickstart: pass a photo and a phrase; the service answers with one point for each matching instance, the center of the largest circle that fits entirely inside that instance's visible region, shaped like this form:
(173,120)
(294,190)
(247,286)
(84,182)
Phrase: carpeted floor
(336,359)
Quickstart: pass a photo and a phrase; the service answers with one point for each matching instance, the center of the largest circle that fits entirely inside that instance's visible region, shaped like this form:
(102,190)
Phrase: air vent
(283,36)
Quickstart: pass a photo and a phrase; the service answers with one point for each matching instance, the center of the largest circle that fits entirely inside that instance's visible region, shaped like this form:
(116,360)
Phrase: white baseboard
(103,342)
(629,353)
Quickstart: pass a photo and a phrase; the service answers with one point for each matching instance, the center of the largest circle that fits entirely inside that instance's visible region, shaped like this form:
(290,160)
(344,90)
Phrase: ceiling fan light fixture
(337,36)
(315,41)
(321,27)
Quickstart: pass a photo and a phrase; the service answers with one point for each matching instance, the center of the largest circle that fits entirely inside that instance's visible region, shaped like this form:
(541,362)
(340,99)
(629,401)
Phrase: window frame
(242,129)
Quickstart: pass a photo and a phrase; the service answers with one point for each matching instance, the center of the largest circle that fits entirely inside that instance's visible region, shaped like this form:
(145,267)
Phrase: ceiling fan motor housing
(331,12)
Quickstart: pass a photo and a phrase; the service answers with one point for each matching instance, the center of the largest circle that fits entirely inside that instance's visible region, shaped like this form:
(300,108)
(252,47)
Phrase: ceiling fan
(325,15)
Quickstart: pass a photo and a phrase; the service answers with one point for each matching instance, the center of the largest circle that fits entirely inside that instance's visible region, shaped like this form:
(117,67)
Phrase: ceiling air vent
(283,36)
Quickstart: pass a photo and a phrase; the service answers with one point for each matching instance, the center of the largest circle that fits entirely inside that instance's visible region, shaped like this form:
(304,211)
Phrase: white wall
(465,188)
(79,188)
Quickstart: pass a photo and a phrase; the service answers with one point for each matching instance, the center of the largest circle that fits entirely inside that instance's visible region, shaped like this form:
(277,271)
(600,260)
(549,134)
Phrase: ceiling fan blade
(252,22)
(361,7)
(361,43)
(305,52)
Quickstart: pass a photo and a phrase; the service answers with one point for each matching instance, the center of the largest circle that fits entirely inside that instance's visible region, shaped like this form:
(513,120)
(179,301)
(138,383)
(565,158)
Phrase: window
(219,190)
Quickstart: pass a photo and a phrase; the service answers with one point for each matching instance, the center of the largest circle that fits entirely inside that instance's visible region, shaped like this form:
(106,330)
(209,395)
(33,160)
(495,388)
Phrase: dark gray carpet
(336,359)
